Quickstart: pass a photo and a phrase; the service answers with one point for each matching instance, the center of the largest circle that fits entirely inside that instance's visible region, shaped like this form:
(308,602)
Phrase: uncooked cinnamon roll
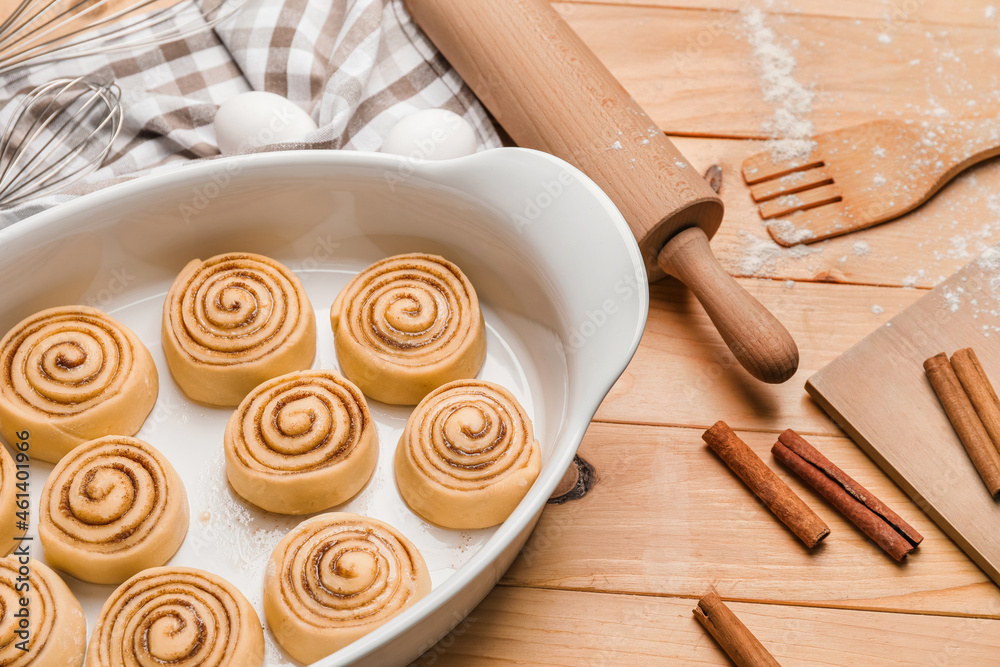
(72,374)
(234,321)
(467,456)
(56,633)
(177,616)
(110,508)
(301,443)
(406,325)
(336,577)
(8,504)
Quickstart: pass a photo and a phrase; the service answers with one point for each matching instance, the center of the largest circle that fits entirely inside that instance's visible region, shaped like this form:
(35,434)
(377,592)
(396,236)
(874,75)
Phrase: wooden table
(611,579)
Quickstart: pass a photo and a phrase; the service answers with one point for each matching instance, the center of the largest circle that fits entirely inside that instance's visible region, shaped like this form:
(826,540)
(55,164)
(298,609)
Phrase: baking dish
(556,268)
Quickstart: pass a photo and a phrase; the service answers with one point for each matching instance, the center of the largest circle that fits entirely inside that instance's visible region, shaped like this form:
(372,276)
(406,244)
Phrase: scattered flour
(861,248)
(789,284)
(983,295)
(911,280)
(885,38)
(616,146)
(241,542)
(789,128)
(760,257)
(990,12)
(787,230)
(877,309)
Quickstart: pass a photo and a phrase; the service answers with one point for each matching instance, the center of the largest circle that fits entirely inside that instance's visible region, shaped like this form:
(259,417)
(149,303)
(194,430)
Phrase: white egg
(431,134)
(255,119)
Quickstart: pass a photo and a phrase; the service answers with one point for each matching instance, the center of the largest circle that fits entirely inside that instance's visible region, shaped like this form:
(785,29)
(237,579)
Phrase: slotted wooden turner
(863,175)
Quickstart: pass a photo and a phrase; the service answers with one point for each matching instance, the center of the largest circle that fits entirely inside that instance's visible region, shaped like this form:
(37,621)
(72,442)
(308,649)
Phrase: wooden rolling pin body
(551,93)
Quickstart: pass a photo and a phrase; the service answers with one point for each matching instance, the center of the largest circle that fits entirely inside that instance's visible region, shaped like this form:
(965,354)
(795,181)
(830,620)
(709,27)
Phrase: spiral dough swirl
(57,629)
(177,616)
(111,508)
(72,374)
(406,325)
(301,443)
(233,321)
(335,578)
(467,456)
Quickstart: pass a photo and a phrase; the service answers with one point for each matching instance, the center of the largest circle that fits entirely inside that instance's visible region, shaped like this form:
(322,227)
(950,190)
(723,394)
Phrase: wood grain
(863,175)
(918,250)
(884,13)
(518,626)
(551,93)
(695,71)
(690,524)
(682,373)
(909,434)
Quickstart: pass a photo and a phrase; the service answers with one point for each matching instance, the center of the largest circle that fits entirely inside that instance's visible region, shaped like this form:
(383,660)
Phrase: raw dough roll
(232,322)
(8,504)
(301,443)
(406,325)
(72,374)
(177,616)
(467,456)
(57,628)
(336,577)
(110,508)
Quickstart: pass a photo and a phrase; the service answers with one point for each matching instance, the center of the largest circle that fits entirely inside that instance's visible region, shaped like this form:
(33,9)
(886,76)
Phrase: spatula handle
(757,339)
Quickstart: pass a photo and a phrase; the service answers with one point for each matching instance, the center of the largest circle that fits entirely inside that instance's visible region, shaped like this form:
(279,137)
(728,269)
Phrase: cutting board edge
(990,568)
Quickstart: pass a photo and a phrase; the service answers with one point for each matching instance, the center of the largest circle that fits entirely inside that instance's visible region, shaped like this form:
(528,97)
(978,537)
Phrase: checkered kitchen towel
(357,66)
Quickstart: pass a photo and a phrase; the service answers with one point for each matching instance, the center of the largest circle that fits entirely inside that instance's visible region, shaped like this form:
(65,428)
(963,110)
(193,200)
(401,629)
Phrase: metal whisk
(44,31)
(58,133)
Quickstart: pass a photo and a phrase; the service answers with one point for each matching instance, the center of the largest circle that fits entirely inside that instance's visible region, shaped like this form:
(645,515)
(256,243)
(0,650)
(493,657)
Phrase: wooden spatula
(863,175)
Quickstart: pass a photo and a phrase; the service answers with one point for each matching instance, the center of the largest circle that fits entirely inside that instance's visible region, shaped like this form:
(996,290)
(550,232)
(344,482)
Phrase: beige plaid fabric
(357,66)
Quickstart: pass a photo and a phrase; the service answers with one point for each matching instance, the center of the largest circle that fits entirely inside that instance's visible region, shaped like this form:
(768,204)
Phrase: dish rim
(442,173)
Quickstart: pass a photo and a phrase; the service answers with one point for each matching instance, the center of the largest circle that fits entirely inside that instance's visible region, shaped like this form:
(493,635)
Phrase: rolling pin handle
(757,339)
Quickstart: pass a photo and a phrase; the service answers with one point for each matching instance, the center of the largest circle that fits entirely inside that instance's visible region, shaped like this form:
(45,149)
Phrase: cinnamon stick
(883,526)
(964,420)
(734,637)
(766,485)
(979,390)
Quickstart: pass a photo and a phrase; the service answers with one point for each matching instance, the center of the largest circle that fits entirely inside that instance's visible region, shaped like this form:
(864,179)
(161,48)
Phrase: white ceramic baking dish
(554,264)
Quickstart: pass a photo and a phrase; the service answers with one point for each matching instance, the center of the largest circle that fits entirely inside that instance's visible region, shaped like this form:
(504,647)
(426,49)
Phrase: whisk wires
(57,134)
(44,31)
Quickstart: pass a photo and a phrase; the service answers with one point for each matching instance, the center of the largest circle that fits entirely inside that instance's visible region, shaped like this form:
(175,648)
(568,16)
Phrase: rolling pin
(551,93)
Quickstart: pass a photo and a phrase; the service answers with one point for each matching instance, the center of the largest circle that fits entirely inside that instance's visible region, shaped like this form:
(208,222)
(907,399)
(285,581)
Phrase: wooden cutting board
(878,394)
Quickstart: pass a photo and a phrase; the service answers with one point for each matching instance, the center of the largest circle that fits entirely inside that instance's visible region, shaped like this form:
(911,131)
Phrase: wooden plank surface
(918,250)
(518,626)
(879,393)
(683,374)
(689,523)
(699,72)
(611,579)
(884,12)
